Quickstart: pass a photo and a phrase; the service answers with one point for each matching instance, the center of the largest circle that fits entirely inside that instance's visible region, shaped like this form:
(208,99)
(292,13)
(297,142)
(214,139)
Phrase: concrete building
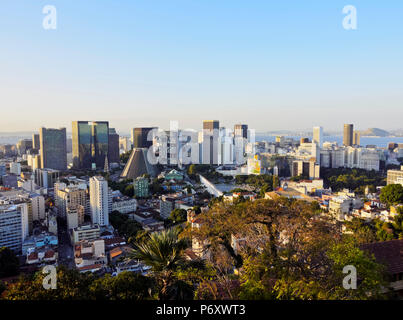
(46,178)
(75,216)
(210,141)
(23,146)
(124,144)
(86,232)
(395,176)
(226,151)
(318,136)
(15,168)
(167,204)
(72,194)
(124,205)
(12,223)
(100,200)
(141,187)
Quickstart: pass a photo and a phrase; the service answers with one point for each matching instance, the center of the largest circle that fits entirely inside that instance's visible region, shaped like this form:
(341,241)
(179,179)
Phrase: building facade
(90,144)
(53,148)
(100,201)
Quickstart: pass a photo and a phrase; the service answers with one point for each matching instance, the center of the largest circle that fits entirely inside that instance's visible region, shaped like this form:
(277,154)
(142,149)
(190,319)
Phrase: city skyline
(140,64)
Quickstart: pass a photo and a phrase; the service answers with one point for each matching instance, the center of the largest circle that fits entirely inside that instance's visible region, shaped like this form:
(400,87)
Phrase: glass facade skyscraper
(53,148)
(90,144)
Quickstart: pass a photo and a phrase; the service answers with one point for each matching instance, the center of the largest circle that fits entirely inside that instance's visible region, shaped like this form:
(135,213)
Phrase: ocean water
(381,142)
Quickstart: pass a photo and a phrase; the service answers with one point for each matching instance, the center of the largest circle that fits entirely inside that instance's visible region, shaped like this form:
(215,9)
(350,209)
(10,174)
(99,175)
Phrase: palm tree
(164,253)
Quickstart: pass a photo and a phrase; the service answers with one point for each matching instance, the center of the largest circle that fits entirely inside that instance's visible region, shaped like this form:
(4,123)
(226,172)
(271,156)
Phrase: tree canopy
(392,194)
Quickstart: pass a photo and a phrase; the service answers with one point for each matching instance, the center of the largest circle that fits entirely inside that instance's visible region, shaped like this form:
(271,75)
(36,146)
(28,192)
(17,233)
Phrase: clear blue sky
(272,64)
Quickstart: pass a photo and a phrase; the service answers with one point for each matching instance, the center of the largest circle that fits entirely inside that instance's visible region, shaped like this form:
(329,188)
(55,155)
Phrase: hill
(375,132)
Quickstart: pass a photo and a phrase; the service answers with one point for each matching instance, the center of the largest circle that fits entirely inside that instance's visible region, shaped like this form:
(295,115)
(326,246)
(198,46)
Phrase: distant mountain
(375,132)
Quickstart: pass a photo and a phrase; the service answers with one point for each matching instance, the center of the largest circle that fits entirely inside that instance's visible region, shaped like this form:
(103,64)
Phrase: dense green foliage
(353,179)
(306,255)
(126,227)
(164,253)
(392,194)
(124,157)
(73,285)
(9,264)
(178,215)
(206,171)
(376,230)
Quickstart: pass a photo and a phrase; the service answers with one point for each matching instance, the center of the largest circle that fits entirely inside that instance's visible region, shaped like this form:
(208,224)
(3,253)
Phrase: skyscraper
(35,141)
(348,135)
(100,201)
(53,148)
(356,138)
(318,136)
(210,141)
(241,130)
(90,144)
(113,149)
(140,137)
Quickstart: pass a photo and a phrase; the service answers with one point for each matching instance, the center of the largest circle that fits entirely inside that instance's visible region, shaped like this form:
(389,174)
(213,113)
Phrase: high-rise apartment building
(348,135)
(53,148)
(140,137)
(318,136)
(100,201)
(11,227)
(90,144)
(71,195)
(210,141)
(113,148)
(75,216)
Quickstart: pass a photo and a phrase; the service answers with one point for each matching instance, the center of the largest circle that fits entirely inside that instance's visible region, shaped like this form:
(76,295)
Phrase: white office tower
(225,147)
(318,136)
(188,147)
(100,201)
(316,152)
(210,141)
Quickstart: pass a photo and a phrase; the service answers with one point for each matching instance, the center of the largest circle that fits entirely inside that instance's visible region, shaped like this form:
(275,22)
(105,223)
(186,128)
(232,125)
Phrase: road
(65,249)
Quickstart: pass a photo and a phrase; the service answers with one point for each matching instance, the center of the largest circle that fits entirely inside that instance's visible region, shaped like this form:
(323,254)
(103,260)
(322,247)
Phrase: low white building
(125,205)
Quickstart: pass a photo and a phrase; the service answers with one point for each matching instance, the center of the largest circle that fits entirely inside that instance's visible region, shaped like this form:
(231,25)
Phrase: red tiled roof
(389,253)
(33,256)
(114,241)
(90,267)
(49,254)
